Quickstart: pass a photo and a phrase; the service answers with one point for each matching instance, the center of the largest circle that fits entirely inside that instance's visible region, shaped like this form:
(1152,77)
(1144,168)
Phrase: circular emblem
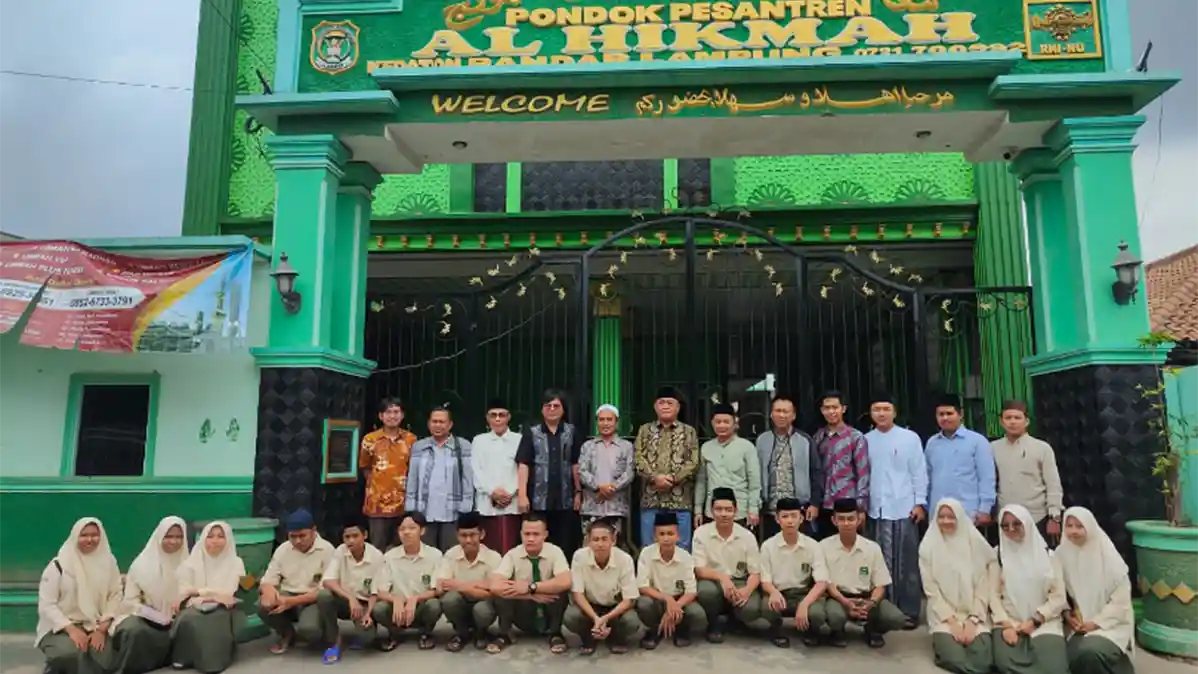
(334,47)
(680,585)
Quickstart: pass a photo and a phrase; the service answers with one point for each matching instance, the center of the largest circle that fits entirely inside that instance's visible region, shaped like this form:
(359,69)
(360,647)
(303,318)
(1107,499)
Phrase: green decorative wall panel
(840,180)
(251,180)
(413,195)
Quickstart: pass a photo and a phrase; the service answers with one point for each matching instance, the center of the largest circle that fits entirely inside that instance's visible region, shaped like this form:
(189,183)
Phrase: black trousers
(565,529)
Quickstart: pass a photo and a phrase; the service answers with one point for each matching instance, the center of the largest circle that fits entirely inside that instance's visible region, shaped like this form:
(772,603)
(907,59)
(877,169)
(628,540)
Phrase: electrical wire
(93,80)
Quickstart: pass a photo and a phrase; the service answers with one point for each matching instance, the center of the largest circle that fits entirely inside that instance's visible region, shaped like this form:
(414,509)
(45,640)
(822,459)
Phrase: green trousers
(63,657)
(206,642)
(650,612)
(711,598)
(303,621)
(468,616)
(817,614)
(1095,654)
(976,658)
(334,608)
(141,646)
(622,630)
(428,612)
(1044,654)
(885,617)
(522,613)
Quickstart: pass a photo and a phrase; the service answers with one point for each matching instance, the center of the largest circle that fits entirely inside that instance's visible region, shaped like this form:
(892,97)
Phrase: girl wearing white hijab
(1028,599)
(955,564)
(206,632)
(77,599)
(142,632)
(1100,619)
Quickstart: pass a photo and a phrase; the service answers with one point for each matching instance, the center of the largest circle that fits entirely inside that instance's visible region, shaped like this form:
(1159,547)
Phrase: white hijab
(220,574)
(1092,570)
(93,573)
(1026,566)
(155,571)
(958,560)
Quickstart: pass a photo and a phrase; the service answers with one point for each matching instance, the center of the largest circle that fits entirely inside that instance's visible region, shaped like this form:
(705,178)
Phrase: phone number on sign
(103,302)
(941,49)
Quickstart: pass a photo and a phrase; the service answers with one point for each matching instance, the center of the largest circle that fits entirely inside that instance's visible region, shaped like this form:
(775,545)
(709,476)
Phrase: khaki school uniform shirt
(295,572)
(1028,476)
(856,571)
(605,586)
(360,577)
(673,578)
(736,556)
(515,564)
(798,566)
(409,575)
(455,566)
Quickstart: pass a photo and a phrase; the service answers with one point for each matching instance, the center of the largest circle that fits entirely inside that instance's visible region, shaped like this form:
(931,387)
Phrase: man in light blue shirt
(898,499)
(961,465)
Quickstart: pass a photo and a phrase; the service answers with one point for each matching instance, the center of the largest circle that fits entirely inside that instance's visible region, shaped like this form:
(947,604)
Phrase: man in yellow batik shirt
(384,462)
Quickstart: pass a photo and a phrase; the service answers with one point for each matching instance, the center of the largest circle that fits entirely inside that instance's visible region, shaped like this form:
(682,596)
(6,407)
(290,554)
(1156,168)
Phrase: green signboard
(342,51)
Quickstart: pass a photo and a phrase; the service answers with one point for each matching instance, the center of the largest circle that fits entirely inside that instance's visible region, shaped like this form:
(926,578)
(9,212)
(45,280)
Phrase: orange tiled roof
(1173,293)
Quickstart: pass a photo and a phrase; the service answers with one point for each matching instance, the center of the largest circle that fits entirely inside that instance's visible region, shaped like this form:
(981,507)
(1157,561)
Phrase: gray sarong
(899,540)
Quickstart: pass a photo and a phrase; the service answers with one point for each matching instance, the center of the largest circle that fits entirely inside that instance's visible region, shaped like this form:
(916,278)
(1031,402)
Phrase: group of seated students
(1026,611)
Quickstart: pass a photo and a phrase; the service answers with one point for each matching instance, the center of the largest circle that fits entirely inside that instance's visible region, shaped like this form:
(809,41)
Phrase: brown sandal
(283,645)
(456,643)
(427,642)
(498,644)
(558,645)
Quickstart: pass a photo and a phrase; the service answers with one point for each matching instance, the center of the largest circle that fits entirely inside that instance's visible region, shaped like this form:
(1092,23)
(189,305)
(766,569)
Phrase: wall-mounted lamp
(284,276)
(1127,276)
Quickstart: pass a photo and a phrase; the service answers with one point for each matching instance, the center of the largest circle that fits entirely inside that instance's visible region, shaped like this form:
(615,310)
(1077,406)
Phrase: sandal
(427,642)
(498,644)
(780,641)
(332,656)
(617,649)
(456,643)
(811,640)
(586,649)
(682,640)
(715,637)
(557,644)
(481,641)
(649,643)
(283,645)
(389,645)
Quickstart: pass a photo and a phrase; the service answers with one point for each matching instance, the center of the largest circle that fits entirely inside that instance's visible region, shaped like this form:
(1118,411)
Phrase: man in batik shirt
(384,461)
(844,453)
(667,457)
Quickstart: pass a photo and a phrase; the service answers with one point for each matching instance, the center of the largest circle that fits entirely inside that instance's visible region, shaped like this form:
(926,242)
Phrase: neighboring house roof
(1173,294)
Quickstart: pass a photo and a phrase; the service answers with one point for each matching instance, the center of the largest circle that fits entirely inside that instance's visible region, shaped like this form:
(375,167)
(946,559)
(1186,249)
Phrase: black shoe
(811,639)
(778,639)
(715,635)
(837,640)
(910,624)
(649,642)
(875,640)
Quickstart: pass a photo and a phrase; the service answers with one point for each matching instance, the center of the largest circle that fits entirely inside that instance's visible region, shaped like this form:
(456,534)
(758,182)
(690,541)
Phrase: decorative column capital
(1092,135)
(1035,165)
(360,177)
(318,151)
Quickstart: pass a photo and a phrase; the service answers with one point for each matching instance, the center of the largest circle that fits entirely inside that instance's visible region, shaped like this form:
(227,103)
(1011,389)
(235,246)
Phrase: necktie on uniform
(542,622)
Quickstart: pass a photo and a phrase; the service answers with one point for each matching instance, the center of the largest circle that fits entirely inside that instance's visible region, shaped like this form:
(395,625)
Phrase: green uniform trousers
(63,657)
(711,598)
(817,614)
(141,646)
(303,621)
(333,608)
(976,658)
(207,642)
(523,614)
(428,612)
(1095,654)
(650,612)
(1044,654)
(622,630)
(885,617)
(468,616)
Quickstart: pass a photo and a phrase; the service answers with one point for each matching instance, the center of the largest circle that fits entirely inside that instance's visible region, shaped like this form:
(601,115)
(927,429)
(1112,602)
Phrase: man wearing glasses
(496,479)
(549,479)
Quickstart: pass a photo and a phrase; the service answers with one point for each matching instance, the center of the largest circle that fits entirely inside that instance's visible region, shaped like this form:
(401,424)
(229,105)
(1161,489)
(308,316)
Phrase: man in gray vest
(789,467)
(547,469)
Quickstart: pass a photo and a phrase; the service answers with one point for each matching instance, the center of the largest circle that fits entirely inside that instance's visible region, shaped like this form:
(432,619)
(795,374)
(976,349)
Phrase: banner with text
(91,300)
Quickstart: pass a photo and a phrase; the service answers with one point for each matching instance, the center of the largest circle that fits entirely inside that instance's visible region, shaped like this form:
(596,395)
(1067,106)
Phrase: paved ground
(907,653)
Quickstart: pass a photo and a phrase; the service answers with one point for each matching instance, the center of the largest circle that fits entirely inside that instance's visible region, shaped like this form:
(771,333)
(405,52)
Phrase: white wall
(35,382)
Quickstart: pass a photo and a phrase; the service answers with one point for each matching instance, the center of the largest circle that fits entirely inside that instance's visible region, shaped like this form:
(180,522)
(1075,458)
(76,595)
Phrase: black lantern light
(1127,275)
(284,276)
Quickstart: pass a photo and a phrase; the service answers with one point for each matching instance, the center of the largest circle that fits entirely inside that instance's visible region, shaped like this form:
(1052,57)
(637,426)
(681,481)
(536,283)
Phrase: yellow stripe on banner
(169,296)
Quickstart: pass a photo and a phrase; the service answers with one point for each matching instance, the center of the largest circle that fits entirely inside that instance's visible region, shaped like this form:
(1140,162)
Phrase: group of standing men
(550,469)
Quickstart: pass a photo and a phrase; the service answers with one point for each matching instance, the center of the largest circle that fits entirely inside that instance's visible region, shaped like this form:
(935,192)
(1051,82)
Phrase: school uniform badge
(426,580)
(805,567)
(680,586)
(863,572)
(334,48)
(742,567)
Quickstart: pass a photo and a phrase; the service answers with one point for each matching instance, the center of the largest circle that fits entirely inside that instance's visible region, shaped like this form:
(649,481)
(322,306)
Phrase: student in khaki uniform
(604,592)
(666,575)
(728,566)
(464,581)
(857,580)
(287,597)
(531,587)
(793,577)
(350,581)
(408,595)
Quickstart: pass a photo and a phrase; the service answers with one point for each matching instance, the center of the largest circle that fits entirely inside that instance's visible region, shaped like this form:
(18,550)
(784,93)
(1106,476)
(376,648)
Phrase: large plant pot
(255,537)
(1168,581)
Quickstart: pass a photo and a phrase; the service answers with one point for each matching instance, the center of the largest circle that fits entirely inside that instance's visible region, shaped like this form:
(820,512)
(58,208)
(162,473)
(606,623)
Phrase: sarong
(502,532)
(899,540)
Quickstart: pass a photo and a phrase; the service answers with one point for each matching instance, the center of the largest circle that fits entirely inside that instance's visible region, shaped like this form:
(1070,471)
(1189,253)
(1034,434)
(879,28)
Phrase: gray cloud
(84,160)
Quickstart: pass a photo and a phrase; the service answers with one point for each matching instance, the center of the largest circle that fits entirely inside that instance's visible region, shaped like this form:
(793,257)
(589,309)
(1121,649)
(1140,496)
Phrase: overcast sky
(81,159)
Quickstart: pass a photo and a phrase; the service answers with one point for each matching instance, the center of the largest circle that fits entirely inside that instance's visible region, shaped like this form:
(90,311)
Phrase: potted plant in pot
(1167,550)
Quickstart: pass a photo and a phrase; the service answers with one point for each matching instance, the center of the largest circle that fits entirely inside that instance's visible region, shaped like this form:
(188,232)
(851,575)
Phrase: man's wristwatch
(532,588)
(975,620)
(1037,620)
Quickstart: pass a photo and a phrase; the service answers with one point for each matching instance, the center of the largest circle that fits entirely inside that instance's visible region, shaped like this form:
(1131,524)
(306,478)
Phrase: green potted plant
(1167,550)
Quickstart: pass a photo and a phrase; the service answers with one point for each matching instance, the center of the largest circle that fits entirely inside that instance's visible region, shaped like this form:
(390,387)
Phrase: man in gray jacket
(789,467)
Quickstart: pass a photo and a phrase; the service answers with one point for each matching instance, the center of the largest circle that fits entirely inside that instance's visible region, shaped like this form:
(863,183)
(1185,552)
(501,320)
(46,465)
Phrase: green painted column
(308,174)
(606,359)
(1000,259)
(352,239)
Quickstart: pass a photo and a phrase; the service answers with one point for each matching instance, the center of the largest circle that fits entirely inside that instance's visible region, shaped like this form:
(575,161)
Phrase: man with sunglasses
(496,479)
(549,478)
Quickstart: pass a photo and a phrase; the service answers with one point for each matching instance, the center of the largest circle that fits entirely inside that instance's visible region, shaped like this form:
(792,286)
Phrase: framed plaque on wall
(340,449)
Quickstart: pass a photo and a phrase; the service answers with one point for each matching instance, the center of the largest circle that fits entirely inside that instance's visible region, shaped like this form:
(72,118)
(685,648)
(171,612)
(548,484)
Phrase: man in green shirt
(728,460)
